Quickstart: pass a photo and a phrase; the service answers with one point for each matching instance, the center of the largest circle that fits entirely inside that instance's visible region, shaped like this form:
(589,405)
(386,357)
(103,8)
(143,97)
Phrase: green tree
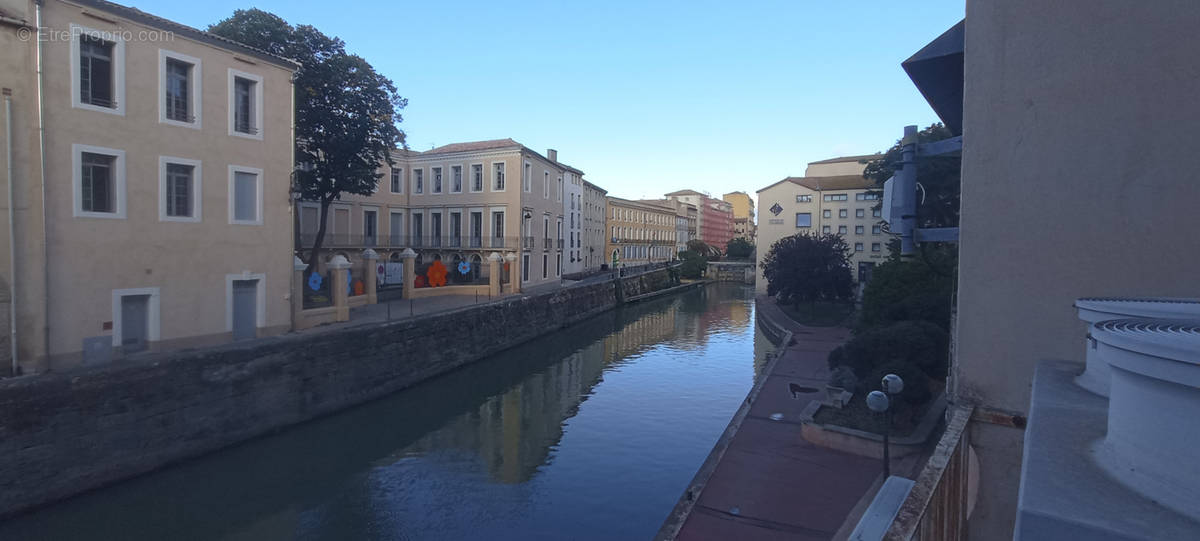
(809,268)
(738,248)
(908,290)
(693,265)
(704,249)
(346,113)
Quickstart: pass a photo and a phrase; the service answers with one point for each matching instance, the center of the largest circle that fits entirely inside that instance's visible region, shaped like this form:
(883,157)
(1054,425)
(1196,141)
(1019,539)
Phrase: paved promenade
(770,483)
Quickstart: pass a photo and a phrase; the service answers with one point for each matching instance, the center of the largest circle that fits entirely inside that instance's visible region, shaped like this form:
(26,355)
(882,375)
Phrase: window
(476,177)
(456,229)
(245,195)
(498,177)
(179,190)
(860,213)
(524,267)
(98,68)
(841,230)
(435,228)
(858,230)
(397,180)
(545,185)
(803,198)
(527,178)
(825,229)
(803,219)
(476,229)
(558,265)
(827,213)
(498,224)
(843,213)
(180,92)
(858,247)
(98,172)
(836,197)
(545,266)
(866,196)
(370,227)
(98,175)
(875,246)
(558,194)
(456,179)
(396,227)
(245,104)
(418,176)
(436,173)
(876,213)
(875,229)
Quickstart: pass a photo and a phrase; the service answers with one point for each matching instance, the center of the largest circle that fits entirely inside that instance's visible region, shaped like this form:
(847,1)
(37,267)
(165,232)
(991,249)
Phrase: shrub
(920,345)
(844,378)
(693,265)
(907,290)
(738,248)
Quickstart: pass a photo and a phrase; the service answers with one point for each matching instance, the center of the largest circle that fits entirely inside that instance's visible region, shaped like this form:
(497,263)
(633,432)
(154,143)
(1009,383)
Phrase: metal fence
(936,508)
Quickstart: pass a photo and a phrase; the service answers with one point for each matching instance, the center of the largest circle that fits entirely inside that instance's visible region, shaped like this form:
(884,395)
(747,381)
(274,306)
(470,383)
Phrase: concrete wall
(725,271)
(69,432)
(1078,179)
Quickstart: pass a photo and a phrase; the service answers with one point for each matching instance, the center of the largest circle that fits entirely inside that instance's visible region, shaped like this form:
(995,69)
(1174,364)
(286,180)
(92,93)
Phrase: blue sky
(644,97)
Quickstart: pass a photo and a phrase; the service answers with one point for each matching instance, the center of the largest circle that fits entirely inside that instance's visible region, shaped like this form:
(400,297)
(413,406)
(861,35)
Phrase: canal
(590,433)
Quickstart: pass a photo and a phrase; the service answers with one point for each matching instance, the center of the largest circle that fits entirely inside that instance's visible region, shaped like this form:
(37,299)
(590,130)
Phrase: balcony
(526,243)
(498,242)
(475,242)
(547,244)
(349,241)
(560,244)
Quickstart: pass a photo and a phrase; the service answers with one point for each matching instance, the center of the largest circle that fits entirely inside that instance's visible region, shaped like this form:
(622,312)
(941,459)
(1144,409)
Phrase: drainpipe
(42,174)
(12,237)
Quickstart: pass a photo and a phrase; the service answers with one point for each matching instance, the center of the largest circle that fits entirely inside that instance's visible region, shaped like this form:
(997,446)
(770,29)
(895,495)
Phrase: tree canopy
(809,268)
(346,113)
(938,176)
(738,248)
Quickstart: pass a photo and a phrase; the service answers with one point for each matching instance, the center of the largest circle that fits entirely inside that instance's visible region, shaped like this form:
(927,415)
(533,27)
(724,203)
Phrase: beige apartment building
(595,210)
(685,220)
(639,232)
(455,203)
(153,210)
(838,203)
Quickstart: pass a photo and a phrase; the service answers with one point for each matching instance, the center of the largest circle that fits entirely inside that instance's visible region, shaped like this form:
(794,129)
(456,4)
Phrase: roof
(842,159)
(139,16)
(937,71)
(595,187)
(495,144)
(684,192)
(643,204)
(842,182)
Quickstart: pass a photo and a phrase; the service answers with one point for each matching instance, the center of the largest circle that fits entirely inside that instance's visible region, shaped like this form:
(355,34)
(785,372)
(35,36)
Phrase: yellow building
(162,216)
(839,204)
(639,232)
(742,206)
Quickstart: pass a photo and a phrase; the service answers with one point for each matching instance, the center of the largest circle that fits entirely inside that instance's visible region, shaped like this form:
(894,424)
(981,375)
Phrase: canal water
(591,433)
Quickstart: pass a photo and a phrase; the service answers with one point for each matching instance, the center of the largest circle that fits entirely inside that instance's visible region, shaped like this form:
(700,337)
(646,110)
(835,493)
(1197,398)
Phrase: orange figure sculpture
(436,274)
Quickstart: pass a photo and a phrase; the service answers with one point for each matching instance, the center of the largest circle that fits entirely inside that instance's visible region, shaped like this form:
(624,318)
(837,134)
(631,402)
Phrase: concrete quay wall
(68,432)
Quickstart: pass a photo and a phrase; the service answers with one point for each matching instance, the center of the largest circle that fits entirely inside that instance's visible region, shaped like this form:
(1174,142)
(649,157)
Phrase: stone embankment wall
(731,271)
(64,433)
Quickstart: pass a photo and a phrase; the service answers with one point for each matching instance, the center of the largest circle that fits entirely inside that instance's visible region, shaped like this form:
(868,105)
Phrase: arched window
(476,267)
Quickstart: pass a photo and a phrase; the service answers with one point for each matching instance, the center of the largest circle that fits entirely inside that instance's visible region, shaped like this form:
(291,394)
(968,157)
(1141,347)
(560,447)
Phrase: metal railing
(560,244)
(547,244)
(341,240)
(527,243)
(936,507)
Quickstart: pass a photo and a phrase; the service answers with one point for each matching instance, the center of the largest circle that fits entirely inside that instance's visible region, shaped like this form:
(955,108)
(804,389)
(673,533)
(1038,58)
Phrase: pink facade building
(714,219)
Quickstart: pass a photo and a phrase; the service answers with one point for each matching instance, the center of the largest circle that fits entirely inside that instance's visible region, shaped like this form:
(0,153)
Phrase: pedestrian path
(770,483)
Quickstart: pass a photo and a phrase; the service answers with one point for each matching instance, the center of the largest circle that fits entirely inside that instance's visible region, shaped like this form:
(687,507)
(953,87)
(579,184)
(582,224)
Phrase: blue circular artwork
(464,267)
(314,282)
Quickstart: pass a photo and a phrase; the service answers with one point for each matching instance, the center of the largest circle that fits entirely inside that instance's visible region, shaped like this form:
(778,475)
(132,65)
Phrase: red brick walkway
(772,484)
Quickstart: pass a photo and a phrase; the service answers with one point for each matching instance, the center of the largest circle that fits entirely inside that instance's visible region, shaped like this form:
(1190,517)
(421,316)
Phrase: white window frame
(559,191)
(400,184)
(310,205)
(434,188)
(153,313)
(462,181)
(413,177)
(118,181)
(492,184)
(258,104)
(233,169)
(260,301)
(197,176)
(195,101)
(527,178)
(471,178)
(118,69)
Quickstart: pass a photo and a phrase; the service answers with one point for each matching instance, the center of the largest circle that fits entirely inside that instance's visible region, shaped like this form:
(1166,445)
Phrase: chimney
(552,154)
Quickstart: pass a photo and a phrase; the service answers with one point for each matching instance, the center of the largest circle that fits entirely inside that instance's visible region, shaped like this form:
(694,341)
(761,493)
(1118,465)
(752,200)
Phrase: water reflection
(589,433)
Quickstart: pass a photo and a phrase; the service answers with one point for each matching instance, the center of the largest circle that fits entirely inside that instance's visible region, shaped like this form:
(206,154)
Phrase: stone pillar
(371,275)
(494,274)
(298,285)
(339,268)
(514,273)
(410,272)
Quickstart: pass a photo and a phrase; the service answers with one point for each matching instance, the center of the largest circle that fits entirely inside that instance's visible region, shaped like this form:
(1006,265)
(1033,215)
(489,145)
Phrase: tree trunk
(314,254)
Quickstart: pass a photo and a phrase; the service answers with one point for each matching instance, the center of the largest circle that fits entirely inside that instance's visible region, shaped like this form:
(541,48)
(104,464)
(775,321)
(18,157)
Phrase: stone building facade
(153,211)
(639,232)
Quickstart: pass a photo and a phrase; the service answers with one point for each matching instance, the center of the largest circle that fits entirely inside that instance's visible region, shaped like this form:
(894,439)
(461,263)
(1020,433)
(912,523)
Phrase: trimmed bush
(918,344)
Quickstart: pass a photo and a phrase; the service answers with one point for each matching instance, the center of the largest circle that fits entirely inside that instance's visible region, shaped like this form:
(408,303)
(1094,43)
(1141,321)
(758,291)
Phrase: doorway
(245,309)
(135,322)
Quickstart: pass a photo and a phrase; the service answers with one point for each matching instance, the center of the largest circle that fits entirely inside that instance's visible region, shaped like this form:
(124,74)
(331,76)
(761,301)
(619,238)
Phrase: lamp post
(880,402)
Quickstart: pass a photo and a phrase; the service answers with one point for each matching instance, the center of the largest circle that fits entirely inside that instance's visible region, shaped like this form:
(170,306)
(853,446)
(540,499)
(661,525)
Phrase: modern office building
(639,232)
(840,204)
(457,203)
(152,211)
